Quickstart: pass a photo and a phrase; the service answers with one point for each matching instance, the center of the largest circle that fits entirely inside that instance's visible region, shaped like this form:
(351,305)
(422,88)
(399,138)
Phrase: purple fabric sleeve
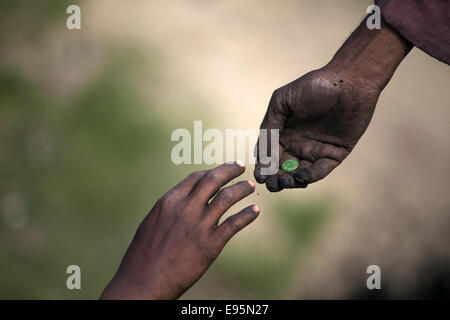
(424,23)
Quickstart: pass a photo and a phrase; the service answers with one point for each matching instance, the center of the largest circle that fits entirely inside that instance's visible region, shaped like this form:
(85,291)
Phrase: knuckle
(212,176)
(197,174)
(227,195)
(168,199)
(227,232)
(235,226)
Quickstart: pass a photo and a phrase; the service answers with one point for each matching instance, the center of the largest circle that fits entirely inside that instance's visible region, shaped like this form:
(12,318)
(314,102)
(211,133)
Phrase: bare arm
(322,115)
(181,237)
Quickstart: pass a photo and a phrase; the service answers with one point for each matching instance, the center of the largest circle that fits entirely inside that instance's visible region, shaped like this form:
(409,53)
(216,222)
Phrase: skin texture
(180,237)
(322,115)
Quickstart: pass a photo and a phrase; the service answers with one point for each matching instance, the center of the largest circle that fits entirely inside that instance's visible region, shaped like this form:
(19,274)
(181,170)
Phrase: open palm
(321,117)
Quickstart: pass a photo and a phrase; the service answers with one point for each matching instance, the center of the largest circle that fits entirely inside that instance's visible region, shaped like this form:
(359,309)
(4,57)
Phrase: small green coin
(289,165)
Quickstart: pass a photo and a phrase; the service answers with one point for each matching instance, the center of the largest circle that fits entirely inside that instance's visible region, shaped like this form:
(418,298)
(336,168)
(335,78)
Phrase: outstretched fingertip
(240,163)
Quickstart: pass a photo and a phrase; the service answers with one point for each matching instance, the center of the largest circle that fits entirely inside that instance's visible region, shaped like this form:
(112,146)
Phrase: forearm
(119,289)
(371,55)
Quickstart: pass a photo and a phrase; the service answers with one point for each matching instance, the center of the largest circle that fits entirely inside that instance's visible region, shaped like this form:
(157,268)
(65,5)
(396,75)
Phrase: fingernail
(250,182)
(256,209)
(240,163)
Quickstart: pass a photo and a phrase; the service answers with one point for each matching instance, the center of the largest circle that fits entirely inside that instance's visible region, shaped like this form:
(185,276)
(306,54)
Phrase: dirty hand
(320,117)
(180,237)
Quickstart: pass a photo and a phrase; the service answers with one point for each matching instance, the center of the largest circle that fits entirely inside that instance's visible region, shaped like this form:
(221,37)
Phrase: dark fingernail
(303,176)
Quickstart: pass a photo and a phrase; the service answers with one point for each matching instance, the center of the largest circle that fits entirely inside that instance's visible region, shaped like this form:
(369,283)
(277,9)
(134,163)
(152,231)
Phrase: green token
(289,165)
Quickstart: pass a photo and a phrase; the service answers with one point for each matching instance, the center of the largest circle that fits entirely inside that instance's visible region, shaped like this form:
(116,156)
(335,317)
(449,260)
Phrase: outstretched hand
(320,118)
(181,236)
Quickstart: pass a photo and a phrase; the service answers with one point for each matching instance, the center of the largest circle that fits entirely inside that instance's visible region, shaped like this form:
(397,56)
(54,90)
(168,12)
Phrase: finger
(303,165)
(297,145)
(235,223)
(287,179)
(186,185)
(259,177)
(227,197)
(272,184)
(274,118)
(318,170)
(275,162)
(324,150)
(215,178)
(264,170)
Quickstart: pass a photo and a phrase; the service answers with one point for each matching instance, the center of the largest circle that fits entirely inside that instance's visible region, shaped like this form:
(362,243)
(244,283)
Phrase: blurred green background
(85,124)
(79,173)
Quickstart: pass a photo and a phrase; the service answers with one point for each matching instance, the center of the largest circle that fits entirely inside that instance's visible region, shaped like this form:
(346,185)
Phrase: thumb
(277,112)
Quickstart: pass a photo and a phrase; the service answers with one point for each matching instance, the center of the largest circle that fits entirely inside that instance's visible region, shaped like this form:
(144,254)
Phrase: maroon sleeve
(424,23)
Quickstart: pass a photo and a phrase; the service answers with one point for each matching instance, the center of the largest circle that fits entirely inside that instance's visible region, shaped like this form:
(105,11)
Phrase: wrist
(124,289)
(370,56)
